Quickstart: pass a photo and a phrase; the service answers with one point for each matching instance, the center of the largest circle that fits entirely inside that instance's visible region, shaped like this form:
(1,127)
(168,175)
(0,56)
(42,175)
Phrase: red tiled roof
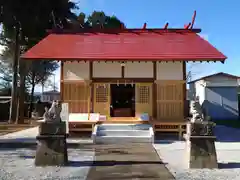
(128,45)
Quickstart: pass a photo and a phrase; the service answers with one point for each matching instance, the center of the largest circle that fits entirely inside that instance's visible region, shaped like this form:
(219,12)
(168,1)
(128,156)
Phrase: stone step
(124,127)
(112,132)
(122,139)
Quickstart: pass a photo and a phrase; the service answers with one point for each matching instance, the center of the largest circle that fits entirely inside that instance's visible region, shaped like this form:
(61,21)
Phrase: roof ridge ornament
(190,25)
(187,26)
(144,25)
(193,19)
(166,25)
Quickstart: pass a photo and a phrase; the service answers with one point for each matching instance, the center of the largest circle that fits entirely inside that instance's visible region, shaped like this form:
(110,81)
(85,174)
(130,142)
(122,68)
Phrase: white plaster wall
(221,81)
(107,70)
(76,70)
(169,71)
(138,69)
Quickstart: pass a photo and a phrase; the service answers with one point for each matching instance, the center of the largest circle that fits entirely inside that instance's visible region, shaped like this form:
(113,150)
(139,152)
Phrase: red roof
(125,45)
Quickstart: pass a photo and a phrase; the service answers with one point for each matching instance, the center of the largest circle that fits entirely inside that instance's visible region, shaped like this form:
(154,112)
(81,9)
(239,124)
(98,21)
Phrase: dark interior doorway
(122,100)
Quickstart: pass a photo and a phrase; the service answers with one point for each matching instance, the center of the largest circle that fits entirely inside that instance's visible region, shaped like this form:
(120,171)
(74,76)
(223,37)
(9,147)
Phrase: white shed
(218,95)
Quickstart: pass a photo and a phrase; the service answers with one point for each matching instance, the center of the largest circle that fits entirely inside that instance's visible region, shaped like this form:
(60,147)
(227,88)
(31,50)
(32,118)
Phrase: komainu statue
(196,111)
(53,114)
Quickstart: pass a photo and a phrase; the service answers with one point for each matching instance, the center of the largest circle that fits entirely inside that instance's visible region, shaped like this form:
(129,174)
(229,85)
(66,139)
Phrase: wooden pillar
(61,82)
(122,70)
(91,90)
(154,90)
(184,89)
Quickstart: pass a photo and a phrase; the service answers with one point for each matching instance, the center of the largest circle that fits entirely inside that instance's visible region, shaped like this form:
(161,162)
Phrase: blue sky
(218,19)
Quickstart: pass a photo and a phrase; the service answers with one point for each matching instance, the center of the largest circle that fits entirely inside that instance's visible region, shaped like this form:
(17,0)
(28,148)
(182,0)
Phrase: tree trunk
(22,92)
(32,94)
(13,106)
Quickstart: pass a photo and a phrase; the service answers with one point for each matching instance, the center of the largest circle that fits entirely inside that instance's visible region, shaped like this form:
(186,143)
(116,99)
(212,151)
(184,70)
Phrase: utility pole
(54,87)
(13,106)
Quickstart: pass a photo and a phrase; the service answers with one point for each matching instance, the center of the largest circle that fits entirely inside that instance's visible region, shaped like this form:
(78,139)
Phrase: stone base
(52,128)
(201,152)
(200,129)
(51,150)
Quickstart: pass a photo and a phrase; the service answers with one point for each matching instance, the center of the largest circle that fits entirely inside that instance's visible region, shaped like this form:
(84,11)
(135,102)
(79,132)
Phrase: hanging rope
(5,101)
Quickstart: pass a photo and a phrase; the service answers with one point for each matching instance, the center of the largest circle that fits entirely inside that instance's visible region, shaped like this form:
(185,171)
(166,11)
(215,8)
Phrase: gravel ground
(228,154)
(19,165)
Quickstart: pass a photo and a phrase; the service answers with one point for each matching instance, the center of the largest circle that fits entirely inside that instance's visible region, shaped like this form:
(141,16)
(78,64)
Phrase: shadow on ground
(31,143)
(165,138)
(227,134)
(110,163)
(102,163)
(230,165)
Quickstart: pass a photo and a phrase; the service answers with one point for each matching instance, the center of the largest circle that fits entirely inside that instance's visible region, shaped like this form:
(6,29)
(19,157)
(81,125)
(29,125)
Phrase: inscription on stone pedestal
(201,149)
(200,129)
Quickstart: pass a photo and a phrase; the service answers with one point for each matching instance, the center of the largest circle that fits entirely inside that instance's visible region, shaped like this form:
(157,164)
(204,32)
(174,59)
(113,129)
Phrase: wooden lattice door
(143,93)
(102,98)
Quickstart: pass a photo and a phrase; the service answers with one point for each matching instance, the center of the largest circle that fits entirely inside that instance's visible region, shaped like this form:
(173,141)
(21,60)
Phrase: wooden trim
(61,81)
(76,81)
(122,80)
(122,71)
(184,89)
(90,70)
(154,70)
(154,91)
(169,81)
(222,60)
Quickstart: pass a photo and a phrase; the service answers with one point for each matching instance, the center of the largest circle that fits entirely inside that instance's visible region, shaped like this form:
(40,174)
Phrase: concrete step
(124,127)
(136,133)
(122,139)
(120,133)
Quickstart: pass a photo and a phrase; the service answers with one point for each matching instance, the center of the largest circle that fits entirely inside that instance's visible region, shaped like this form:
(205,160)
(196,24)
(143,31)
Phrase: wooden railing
(179,127)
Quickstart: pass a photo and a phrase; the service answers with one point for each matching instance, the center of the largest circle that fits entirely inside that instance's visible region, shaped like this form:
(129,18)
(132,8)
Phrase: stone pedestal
(52,145)
(200,146)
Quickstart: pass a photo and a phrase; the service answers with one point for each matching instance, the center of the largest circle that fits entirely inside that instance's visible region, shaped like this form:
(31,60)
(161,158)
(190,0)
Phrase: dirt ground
(6,128)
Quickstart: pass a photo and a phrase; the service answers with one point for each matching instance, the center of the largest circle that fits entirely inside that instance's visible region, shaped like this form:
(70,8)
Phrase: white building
(50,96)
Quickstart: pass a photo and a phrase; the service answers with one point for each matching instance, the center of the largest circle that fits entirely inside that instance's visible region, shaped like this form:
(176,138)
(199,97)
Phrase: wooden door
(143,94)
(77,96)
(102,98)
